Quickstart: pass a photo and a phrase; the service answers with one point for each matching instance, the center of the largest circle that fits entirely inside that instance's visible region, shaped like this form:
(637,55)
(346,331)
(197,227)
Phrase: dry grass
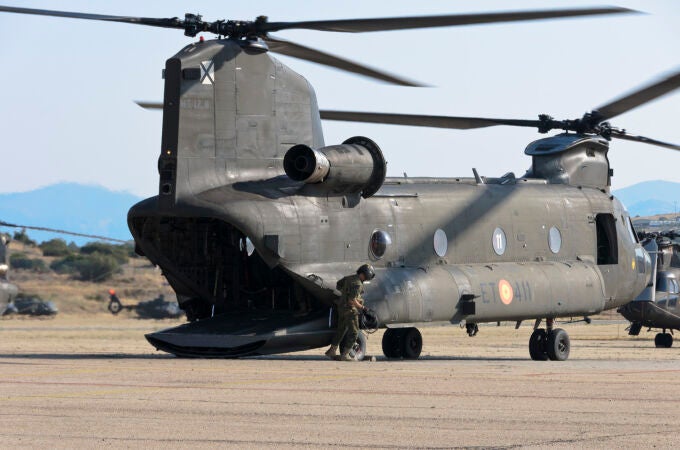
(138,281)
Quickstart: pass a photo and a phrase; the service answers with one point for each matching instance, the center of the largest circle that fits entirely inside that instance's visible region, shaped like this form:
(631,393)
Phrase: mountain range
(74,207)
(650,197)
(96,210)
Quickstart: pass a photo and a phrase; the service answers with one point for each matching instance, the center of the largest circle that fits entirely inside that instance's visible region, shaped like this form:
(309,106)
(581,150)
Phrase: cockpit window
(631,229)
(665,284)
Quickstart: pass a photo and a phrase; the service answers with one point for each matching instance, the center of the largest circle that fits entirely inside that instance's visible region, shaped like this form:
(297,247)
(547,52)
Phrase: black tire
(411,343)
(391,343)
(115,306)
(667,340)
(538,345)
(358,351)
(558,345)
(659,340)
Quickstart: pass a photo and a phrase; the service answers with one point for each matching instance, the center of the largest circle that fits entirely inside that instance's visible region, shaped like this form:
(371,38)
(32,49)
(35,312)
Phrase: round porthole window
(554,240)
(499,241)
(379,242)
(441,243)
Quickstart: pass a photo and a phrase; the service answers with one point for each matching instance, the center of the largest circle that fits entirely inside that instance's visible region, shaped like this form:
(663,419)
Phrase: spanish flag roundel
(505,290)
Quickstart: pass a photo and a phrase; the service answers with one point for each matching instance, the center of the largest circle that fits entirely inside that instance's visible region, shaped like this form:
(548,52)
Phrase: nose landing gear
(663,340)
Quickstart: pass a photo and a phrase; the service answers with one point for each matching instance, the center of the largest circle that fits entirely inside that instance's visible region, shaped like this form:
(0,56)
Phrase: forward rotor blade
(164,23)
(404,23)
(640,97)
(415,120)
(70,233)
(645,140)
(309,54)
(149,105)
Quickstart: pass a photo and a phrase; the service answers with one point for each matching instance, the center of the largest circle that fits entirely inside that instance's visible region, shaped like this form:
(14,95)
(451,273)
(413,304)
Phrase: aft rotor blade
(70,233)
(405,23)
(640,97)
(150,105)
(309,54)
(415,120)
(154,22)
(645,140)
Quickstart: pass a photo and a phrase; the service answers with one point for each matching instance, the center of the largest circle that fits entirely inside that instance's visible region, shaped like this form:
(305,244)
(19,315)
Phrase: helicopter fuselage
(235,233)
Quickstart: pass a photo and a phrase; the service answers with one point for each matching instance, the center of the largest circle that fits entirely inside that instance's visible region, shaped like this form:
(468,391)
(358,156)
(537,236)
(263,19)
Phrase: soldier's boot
(332,352)
(345,357)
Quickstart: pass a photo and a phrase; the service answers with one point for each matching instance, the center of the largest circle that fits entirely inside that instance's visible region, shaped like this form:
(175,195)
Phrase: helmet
(367,270)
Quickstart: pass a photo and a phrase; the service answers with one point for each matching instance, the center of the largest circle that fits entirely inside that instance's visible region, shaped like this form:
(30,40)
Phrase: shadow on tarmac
(282,358)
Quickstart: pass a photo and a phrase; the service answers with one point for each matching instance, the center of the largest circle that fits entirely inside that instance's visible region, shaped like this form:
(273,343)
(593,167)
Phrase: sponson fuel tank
(487,292)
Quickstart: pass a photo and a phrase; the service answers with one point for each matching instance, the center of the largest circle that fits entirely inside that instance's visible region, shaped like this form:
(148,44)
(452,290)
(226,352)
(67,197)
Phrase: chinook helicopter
(255,216)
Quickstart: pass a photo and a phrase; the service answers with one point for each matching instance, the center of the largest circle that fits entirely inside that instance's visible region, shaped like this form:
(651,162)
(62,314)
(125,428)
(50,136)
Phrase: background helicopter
(12,302)
(657,305)
(8,291)
(215,192)
(158,308)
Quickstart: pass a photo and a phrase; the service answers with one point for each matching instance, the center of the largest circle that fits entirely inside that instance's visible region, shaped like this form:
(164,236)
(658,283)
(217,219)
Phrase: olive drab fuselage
(554,243)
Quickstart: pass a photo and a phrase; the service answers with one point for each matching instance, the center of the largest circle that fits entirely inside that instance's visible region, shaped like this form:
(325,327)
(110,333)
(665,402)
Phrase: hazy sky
(67,111)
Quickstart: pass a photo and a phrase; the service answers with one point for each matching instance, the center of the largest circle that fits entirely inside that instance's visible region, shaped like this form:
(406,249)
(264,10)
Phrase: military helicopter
(657,305)
(11,301)
(23,305)
(255,215)
(158,308)
(8,291)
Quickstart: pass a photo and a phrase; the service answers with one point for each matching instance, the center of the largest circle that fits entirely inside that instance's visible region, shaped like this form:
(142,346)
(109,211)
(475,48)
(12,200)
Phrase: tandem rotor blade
(405,23)
(309,54)
(640,96)
(645,140)
(173,22)
(149,105)
(416,120)
(70,233)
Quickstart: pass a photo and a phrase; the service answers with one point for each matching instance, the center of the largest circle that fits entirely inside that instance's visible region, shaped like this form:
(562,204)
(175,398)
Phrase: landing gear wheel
(391,343)
(663,340)
(412,343)
(658,340)
(115,306)
(537,345)
(558,345)
(358,351)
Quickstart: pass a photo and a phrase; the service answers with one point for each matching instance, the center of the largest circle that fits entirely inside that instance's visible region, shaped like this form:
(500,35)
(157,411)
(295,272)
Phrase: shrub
(97,267)
(118,252)
(67,265)
(22,262)
(55,247)
(22,237)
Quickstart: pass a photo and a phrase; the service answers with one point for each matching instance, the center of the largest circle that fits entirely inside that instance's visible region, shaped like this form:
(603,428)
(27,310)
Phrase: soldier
(348,306)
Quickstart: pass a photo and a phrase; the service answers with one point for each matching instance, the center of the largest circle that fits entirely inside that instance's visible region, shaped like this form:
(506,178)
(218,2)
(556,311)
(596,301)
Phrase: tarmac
(86,382)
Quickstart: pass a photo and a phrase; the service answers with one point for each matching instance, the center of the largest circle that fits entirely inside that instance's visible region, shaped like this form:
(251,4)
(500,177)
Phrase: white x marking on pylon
(207,72)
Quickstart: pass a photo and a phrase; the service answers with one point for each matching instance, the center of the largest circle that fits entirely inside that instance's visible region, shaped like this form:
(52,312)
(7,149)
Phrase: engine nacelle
(356,166)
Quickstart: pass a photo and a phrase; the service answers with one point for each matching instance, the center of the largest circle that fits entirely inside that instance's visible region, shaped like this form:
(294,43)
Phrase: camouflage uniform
(351,288)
